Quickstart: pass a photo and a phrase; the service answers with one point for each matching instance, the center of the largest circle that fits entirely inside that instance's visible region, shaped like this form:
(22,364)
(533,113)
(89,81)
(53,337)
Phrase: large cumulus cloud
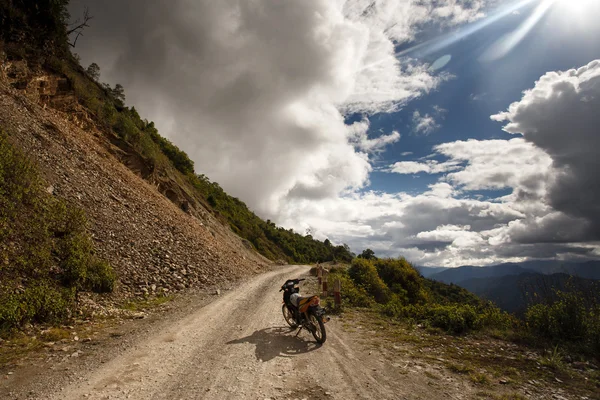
(255,91)
(560,115)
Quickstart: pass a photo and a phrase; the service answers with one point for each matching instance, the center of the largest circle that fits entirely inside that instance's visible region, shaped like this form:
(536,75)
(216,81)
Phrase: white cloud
(487,165)
(428,167)
(443,226)
(358,136)
(498,164)
(560,115)
(426,124)
(255,91)
(410,225)
(458,236)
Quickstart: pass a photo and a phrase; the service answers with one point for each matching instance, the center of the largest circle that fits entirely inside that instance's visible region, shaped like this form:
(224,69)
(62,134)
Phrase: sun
(577,6)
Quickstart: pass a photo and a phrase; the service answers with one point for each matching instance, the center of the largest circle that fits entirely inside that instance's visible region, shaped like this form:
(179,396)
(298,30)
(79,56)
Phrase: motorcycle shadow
(277,342)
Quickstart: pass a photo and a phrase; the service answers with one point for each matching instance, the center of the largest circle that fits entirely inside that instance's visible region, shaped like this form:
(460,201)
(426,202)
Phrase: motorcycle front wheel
(318,328)
(289,317)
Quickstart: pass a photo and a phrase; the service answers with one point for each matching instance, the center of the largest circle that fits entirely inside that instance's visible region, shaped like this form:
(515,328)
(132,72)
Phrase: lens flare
(576,5)
(508,42)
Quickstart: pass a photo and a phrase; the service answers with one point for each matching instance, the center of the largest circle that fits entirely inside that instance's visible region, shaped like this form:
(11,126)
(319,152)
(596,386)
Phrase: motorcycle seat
(299,301)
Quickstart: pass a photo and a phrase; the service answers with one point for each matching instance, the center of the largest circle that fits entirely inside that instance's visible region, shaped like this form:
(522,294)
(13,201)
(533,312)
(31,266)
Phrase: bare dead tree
(77,27)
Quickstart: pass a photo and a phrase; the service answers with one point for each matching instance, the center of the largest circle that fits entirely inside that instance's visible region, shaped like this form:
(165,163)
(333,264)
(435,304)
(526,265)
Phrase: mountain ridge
(515,293)
(585,269)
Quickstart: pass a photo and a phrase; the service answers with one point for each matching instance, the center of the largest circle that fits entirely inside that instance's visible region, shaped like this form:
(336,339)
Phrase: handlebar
(295,281)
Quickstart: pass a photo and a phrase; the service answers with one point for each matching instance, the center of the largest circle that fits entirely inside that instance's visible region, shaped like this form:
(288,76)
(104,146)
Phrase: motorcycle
(303,312)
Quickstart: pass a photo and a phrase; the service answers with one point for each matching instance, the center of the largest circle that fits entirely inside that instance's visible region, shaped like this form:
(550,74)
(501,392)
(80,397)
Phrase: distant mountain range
(588,270)
(428,271)
(514,293)
(513,286)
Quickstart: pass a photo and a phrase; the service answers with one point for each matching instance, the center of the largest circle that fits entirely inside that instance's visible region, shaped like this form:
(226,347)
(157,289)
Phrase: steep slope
(153,245)
(35,51)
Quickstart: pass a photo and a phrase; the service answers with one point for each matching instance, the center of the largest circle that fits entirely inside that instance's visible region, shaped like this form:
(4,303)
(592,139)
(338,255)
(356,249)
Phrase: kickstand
(297,333)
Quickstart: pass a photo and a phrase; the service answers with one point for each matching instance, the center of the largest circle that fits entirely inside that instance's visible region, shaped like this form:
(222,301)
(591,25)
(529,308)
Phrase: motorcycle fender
(319,311)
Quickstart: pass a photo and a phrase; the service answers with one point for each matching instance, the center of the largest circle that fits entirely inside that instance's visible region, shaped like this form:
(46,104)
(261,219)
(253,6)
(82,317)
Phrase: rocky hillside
(154,225)
(152,243)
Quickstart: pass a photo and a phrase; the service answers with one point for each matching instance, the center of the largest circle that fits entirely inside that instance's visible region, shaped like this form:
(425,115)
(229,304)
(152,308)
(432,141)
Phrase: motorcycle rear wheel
(289,317)
(318,330)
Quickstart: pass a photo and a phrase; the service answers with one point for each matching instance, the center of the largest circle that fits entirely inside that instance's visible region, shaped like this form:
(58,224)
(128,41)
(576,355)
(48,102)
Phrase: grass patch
(479,378)
(17,346)
(146,303)
(459,368)
(554,360)
(55,334)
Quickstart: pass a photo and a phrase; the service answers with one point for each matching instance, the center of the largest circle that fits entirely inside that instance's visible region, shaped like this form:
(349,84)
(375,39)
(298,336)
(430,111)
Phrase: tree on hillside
(368,254)
(118,93)
(78,26)
(93,71)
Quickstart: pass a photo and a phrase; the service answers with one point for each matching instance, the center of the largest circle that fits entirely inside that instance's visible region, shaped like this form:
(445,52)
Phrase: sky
(449,132)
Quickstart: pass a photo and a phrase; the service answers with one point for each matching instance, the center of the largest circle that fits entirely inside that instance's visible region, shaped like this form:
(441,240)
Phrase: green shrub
(107,114)
(455,318)
(126,129)
(443,293)
(402,279)
(594,330)
(353,295)
(565,319)
(401,292)
(75,258)
(569,320)
(45,249)
(39,26)
(492,317)
(179,158)
(40,302)
(364,274)
(101,277)
(395,309)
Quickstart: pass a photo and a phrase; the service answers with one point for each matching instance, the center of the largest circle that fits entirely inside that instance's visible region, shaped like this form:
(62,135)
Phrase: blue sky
(312,113)
(478,89)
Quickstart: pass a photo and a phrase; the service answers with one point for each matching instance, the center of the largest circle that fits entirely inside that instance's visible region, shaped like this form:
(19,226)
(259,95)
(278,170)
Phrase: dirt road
(236,347)
(239,347)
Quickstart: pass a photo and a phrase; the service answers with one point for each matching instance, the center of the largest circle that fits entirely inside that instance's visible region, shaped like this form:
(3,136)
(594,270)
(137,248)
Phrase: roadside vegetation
(397,290)
(551,351)
(46,253)
(393,288)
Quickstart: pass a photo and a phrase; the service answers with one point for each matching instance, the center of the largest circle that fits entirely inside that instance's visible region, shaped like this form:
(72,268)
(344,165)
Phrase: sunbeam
(505,44)
(443,41)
